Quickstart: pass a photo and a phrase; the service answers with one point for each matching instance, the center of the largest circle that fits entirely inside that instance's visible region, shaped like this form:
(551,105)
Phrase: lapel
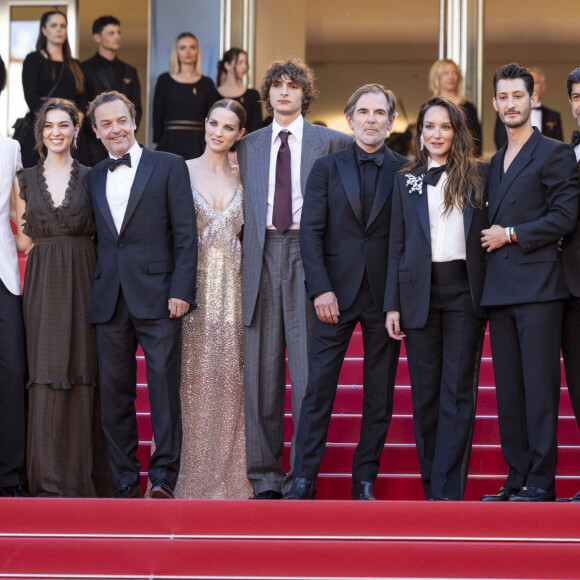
(142,176)
(468,218)
(311,142)
(346,164)
(421,203)
(498,188)
(384,184)
(258,163)
(101,196)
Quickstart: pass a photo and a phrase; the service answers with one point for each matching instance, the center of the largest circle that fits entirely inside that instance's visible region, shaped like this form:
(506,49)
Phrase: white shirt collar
(134,152)
(431,163)
(296,128)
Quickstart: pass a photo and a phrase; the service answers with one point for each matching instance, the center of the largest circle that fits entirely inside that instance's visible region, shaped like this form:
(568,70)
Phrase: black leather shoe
(504,494)
(533,494)
(268,494)
(160,489)
(302,488)
(363,490)
(128,491)
(13,491)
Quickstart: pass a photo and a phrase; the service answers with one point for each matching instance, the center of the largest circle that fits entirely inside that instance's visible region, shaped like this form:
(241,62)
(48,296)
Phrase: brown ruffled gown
(66,453)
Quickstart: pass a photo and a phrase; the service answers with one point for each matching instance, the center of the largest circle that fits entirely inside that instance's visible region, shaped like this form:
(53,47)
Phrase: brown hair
(462,168)
(230,105)
(231,57)
(298,72)
(69,61)
(109,97)
(53,105)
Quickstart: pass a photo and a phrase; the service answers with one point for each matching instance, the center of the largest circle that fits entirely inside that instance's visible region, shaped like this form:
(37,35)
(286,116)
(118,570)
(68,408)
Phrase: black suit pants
(117,342)
(444,359)
(12,389)
(571,352)
(525,343)
(327,351)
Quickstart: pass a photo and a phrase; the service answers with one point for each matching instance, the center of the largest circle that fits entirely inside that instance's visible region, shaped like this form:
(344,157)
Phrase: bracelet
(513,237)
(508,236)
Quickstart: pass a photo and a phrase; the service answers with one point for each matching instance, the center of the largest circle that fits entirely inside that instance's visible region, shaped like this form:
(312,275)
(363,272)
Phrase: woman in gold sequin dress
(213,457)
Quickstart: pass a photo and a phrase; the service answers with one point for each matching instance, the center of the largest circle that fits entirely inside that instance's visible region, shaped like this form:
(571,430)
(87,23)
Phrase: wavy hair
(69,61)
(462,167)
(53,105)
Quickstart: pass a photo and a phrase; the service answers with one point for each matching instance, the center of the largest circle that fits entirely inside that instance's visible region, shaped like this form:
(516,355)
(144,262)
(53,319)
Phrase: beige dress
(213,456)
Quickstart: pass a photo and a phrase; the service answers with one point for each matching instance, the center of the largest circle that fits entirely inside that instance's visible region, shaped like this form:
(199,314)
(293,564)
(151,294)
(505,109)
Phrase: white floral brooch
(415,182)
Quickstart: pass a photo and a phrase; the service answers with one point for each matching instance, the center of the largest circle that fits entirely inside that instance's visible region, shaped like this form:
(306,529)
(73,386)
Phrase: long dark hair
(66,53)
(462,168)
(230,56)
(51,105)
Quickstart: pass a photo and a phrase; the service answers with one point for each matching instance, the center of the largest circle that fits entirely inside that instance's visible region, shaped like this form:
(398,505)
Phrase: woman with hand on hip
(434,283)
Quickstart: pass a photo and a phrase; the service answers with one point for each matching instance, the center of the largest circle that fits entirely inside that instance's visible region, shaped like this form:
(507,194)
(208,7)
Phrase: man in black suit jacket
(105,72)
(551,123)
(571,263)
(144,282)
(344,242)
(533,201)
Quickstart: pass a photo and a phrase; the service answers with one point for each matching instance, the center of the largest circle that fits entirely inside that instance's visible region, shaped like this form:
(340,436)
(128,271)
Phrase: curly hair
(299,73)
(462,167)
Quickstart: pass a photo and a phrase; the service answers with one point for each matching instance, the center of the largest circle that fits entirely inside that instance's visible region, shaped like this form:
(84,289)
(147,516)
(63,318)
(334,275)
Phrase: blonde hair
(174,64)
(435,75)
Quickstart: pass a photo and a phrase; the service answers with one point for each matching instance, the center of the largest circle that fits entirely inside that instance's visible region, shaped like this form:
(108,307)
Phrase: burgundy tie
(282,210)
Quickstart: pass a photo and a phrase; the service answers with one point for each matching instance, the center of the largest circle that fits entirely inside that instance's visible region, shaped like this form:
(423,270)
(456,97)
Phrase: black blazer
(539,196)
(336,247)
(154,257)
(551,127)
(571,258)
(409,279)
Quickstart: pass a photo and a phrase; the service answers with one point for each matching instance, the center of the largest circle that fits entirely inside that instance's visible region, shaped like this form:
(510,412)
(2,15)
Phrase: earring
(75,139)
(421,143)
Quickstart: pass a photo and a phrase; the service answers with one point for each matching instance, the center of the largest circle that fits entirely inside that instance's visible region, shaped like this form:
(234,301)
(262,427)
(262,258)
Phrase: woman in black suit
(434,283)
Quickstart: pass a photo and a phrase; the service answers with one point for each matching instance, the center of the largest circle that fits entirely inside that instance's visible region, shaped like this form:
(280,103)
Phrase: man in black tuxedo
(344,241)
(144,283)
(571,263)
(106,72)
(533,201)
(548,122)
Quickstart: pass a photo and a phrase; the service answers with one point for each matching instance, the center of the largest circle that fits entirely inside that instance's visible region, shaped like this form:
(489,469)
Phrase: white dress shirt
(447,230)
(536,117)
(119,183)
(577,151)
(296,129)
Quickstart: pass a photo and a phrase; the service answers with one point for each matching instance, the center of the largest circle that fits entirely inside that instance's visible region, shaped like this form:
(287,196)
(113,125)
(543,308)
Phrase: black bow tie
(377,158)
(575,138)
(434,174)
(114,163)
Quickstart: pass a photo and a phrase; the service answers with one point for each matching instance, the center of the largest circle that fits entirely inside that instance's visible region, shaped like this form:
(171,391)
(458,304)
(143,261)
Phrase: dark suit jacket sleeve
(396,249)
(313,224)
(560,177)
(184,231)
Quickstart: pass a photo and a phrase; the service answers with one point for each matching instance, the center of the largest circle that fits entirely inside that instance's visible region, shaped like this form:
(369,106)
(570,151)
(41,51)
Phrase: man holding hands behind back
(144,283)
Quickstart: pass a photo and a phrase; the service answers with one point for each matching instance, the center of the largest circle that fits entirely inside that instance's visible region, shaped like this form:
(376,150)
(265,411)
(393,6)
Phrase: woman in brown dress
(65,456)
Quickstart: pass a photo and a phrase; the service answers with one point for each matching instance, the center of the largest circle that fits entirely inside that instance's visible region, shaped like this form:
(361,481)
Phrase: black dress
(65,448)
(250,100)
(473,125)
(179,111)
(39,76)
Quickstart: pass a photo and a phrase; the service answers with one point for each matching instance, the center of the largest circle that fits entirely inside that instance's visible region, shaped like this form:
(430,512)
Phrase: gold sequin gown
(213,456)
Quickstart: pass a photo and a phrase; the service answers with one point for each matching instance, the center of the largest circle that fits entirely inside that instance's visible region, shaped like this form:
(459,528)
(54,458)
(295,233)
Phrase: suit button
(366,239)
(120,245)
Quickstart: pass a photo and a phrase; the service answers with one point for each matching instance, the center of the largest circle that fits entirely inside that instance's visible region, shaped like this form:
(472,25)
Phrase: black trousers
(12,389)
(571,352)
(444,359)
(117,342)
(525,344)
(327,351)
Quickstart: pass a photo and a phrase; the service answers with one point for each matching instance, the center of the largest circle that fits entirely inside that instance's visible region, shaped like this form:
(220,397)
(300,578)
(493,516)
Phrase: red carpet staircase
(44,538)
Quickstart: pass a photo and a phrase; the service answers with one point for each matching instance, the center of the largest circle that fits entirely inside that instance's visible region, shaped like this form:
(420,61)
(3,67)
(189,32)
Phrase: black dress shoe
(127,491)
(503,494)
(302,488)
(363,490)
(531,493)
(161,489)
(13,491)
(268,494)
